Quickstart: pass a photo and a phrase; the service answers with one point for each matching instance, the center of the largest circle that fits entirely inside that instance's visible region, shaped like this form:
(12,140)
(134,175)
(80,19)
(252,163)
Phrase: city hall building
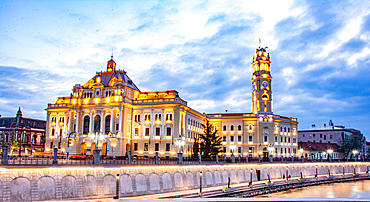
(110,113)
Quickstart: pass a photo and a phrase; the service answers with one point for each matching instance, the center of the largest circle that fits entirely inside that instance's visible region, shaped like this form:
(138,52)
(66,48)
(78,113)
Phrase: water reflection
(354,190)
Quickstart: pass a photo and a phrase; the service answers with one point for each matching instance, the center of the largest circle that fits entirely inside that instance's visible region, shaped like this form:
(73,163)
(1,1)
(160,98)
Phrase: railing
(123,160)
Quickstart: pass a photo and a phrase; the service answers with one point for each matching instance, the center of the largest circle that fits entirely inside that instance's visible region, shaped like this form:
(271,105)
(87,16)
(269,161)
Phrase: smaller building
(30,132)
(318,151)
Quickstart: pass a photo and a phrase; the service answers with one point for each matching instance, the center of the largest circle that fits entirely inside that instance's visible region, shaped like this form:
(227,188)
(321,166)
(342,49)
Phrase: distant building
(30,132)
(331,134)
(318,151)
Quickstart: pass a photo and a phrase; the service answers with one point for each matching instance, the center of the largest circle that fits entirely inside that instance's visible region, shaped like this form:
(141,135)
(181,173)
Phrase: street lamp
(200,183)
(287,174)
(232,148)
(250,182)
(301,151)
(330,151)
(355,152)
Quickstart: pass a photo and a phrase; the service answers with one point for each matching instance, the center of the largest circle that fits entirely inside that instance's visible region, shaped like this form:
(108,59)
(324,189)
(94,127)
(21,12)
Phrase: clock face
(265,84)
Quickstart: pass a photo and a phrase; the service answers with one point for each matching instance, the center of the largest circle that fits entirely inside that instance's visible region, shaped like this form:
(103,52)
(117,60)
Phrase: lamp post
(96,152)
(343,170)
(250,182)
(200,182)
(117,187)
(355,152)
(287,174)
(271,150)
(316,173)
(232,148)
(330,151)
(301,150)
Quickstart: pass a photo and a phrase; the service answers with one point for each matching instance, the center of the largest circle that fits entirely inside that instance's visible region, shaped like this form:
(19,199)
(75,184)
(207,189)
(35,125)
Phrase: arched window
(232,127)
(284,129)
(288,130)
(97,123)
(86,124)
(224,128)
(239,127)
(107,124)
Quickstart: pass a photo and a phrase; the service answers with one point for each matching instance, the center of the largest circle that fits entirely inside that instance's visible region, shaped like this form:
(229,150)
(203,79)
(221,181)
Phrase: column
(120,122)
(77,122)
(48,125)
(152,132)
(111,120)
(91,122)
(163,123)
(102,120)
(70,119)
(141,124)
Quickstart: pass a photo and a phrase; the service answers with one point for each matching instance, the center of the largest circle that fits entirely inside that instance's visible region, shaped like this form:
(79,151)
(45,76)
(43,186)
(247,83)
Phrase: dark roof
(315,146)
(24,122)
(106,77)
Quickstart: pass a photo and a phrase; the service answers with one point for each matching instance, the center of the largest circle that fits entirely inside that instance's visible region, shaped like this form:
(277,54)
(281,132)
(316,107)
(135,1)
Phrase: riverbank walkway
(258,188)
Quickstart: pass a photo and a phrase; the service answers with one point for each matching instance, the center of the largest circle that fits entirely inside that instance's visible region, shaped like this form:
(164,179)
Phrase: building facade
(30,133)
(332,134)
(110,111)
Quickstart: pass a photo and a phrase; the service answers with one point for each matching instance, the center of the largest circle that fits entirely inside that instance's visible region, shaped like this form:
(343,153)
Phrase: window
(239,150)
(168,146)
(288,139)
(224,138)
(294,150)
(284,129)
(224,149)
(224,128)
(239,138)
(232,138)
(135,146)
(303,135)
(288,130)
(157,131)
(146,131)
(231,127)
(168,117)
(314,135)
(117,126)
(168,131)
(145,146)
(285,140)
(250,138)
(61,132)
(331,136)
(250,149)
(281,129)
(136,131)
(276,138)
(265,138)
(294,140)
(281,150)
(284,150)
(320,135)
(288,150)
(281,139)
(52,131)
(324,137)
(156,147)
(310,135)
(239,127)
(320,141)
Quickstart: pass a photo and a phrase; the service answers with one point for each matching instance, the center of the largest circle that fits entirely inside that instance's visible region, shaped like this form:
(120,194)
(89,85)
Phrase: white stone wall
(66,183)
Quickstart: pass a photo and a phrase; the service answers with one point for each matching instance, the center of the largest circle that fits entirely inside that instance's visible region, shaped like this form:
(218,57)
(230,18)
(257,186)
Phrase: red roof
(316,146)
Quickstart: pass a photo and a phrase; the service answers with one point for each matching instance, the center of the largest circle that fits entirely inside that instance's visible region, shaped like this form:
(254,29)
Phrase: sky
(320,53)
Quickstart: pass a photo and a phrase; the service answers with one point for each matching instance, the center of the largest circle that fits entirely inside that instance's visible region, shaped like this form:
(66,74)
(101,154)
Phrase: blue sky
(319,52)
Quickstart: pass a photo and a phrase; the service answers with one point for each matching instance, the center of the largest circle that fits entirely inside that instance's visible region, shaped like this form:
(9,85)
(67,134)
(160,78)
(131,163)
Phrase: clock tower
(261,82)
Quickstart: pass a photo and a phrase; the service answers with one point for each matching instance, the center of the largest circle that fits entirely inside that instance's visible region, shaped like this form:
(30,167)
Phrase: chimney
(324,124)
(313,125)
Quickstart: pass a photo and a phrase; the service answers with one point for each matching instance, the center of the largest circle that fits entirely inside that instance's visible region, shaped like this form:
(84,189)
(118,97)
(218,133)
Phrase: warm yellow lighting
(74,101)
(86,100)
(245,154)
(260,153)
(96,100)
(116,98)
(140,152)
(98,80)
(107,100)
(255,154)
(151,152)
(47,149)
(161,153)
(172,153)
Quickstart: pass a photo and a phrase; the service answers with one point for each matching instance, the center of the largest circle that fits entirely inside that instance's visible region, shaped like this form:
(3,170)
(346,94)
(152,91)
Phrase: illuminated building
(126,119)
(260,133)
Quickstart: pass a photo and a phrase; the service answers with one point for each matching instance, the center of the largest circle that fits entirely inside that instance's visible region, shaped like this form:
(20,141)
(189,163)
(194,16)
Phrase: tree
(211,144)
(348,143)
(13,142)
(195,148)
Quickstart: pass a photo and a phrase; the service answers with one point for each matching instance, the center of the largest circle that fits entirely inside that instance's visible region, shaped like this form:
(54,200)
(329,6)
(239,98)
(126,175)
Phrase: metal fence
(124,160)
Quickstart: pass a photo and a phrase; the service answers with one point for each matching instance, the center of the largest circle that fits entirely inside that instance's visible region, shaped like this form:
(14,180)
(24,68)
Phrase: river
(345,190)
